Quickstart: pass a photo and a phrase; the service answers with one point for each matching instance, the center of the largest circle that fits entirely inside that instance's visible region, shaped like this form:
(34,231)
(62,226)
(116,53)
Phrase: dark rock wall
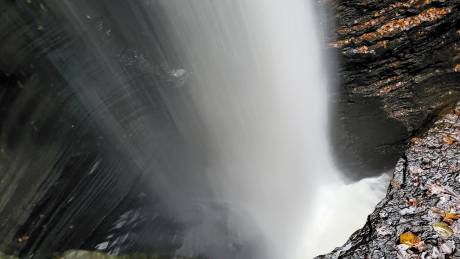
(398,68)
(404,54)
(66,179)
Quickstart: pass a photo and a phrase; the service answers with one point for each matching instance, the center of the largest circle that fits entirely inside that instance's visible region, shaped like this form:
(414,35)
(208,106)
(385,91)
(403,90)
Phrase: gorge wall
(397,69)
(65,182)
(403,57)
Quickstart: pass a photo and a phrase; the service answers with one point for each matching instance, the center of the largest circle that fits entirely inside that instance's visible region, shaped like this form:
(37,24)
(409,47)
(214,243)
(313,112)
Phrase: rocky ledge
(418,218)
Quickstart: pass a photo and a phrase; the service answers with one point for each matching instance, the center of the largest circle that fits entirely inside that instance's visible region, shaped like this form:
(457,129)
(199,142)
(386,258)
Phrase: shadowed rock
(419,215)
(398,68)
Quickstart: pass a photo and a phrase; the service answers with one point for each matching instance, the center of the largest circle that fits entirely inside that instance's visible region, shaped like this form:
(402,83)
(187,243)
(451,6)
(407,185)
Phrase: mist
(246,86)
(258,84)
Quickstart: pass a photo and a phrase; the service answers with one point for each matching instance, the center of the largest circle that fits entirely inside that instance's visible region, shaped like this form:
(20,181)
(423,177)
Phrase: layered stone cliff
(398,68)
(404,56)
(64,183)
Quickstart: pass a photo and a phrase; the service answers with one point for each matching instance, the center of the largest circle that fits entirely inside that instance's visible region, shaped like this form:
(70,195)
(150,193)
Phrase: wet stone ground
(419,217)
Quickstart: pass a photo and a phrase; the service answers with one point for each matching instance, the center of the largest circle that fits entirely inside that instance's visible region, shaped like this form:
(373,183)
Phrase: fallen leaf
(416,141)
(442,229)
(448,139)
(449,217)
(409,238)
(457,68)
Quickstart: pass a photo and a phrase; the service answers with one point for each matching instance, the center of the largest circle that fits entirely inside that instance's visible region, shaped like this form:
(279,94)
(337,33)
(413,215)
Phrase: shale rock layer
(399,57)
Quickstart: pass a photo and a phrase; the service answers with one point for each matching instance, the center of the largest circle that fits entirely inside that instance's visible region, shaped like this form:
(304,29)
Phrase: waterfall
(245,84)
(258,86)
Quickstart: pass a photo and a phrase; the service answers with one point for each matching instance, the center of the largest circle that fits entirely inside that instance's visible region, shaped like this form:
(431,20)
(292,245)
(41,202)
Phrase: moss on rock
(4,256)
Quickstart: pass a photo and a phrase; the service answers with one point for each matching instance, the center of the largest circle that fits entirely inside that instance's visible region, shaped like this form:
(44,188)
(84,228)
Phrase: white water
(339,210)
(258,84)
(252,97)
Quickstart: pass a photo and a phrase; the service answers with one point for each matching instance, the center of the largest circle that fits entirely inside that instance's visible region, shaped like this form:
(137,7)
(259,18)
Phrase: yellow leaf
(409,238)
(450,217)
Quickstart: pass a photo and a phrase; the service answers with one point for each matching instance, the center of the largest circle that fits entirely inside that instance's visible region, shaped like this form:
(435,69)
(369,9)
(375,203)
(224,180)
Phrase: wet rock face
(64,181)
(399,57)
(404,52)
(419,216)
